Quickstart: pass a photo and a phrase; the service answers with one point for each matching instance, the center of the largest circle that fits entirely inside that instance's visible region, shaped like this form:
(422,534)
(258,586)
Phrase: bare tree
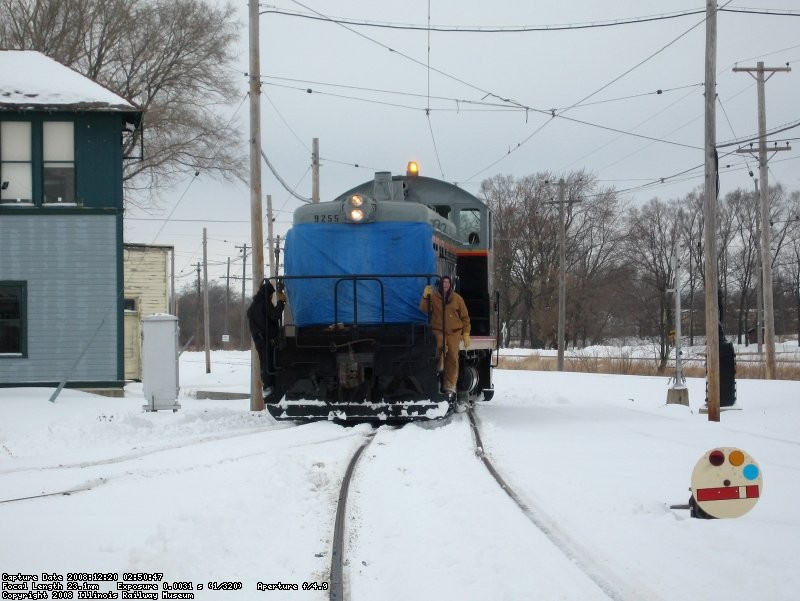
(652,240)
(743,207)
(691,231)
(785,229)
(595,257)
(173,58)
(501,194)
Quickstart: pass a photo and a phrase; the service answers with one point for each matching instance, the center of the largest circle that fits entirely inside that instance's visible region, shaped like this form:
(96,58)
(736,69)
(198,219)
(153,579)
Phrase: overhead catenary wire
(513,105)
(281,180)
(504,29)
(508,29)
(459,102)
(488,93)
(408,57)
(428,103)
(585,98)
(733,131)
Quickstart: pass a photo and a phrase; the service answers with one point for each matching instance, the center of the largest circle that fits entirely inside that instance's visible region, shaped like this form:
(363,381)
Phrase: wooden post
(562,276)
(763,174)
(256,397)
(315,170)
(206,328)
(710,215)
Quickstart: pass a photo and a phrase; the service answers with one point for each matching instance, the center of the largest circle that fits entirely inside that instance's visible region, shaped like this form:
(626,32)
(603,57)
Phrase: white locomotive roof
(386,211)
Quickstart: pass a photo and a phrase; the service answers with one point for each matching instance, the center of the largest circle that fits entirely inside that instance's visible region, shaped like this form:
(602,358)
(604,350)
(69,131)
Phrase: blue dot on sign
(750,471)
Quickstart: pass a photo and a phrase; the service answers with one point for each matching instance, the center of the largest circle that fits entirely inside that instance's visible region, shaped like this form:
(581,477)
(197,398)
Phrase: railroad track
(609,585)
(337,592)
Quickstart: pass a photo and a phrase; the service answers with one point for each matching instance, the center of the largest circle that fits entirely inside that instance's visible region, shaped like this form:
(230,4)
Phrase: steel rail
(337,555)
(614,591)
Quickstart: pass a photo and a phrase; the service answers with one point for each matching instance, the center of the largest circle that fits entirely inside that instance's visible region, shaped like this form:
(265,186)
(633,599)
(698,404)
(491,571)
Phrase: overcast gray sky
(485,92)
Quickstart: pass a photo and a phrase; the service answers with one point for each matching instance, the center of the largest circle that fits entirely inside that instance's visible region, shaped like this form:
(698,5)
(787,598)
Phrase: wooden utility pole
(227,300)
(562,279)
(243,320)
(206,328)
(766,253)
(315,170)
(710,215)
(256,398)
(759,285)
(678,393)
(199,303)
(562,268)
(270,238)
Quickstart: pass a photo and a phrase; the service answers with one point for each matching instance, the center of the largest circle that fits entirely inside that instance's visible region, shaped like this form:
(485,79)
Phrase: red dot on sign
(716,458)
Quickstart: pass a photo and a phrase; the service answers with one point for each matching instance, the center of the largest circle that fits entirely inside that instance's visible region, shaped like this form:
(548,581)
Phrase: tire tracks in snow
(93,483)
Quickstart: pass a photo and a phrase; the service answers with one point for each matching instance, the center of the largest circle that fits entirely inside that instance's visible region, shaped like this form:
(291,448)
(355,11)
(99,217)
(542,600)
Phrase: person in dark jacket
(264,319)
(450,324)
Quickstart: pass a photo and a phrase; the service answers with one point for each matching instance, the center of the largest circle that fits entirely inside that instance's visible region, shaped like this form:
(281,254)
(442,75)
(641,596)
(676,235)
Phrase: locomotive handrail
(356,279)
(312,276)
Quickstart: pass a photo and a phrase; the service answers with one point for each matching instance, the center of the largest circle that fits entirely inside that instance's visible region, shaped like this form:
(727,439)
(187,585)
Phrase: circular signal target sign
(726,482)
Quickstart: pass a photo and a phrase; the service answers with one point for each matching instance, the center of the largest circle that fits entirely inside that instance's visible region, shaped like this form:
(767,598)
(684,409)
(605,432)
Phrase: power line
(407,57)
(552,113)
(482,29)
(280,179)
(490,106)
(486,92)
(285,122)
(313,15)
(188,220)
(560,114)
(754,137)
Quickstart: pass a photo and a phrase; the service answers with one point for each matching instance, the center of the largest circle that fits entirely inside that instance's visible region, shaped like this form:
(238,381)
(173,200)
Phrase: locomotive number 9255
(326,219)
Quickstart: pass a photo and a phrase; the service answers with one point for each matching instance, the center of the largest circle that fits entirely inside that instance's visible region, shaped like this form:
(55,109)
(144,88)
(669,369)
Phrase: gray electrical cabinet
(160,362)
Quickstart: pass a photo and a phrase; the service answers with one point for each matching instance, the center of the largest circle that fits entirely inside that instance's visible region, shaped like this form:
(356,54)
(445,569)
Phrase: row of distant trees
(176,60)
(620,267)
(226,316)
(619,261)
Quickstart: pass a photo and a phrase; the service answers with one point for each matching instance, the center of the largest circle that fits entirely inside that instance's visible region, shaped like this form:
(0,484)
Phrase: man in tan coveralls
(450,324)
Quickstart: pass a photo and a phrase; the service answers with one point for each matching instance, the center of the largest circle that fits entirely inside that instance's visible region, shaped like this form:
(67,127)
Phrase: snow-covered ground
(216,493)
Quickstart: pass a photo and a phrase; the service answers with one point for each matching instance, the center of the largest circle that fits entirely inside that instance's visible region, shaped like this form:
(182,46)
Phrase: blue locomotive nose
(352,274)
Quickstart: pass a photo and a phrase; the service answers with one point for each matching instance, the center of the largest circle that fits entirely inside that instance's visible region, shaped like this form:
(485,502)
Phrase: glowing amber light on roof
(413,168)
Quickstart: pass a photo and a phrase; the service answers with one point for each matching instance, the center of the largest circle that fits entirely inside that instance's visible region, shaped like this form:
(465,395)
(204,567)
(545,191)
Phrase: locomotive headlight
(359,209)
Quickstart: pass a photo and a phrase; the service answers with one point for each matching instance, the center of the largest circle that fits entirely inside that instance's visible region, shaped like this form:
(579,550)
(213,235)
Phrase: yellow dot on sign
(736,458)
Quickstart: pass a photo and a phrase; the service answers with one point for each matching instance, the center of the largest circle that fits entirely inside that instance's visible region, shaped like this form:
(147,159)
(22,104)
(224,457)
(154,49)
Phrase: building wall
(98,159)
(70,261)
(146,282)
(98,155)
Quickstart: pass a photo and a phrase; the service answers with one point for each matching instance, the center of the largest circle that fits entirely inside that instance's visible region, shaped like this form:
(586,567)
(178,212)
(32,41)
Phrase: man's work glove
(427,292)
(467,340)
(281,296)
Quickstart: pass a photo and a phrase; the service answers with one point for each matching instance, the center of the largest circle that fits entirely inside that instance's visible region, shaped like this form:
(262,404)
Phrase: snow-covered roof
(33,81)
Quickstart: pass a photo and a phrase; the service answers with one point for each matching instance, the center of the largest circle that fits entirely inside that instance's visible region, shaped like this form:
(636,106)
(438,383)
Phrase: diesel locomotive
(352,343)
